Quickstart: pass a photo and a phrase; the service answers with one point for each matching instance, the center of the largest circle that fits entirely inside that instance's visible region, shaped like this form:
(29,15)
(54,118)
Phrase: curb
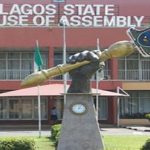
(143,129)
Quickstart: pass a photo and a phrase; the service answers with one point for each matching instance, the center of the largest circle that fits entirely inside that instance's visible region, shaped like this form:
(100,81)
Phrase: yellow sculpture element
(116,50)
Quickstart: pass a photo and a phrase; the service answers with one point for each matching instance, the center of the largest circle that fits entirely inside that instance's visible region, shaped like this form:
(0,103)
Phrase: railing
(146,74)
(134,74)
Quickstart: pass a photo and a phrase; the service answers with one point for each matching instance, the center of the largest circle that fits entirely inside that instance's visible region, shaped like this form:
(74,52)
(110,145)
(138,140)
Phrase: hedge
(147,116)
(146,146)
(17,144)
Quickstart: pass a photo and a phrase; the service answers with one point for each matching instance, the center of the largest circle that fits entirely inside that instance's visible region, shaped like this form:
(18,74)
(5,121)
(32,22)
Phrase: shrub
(146,146)
(55,130)
(147,116)
(55,133)
(17,144)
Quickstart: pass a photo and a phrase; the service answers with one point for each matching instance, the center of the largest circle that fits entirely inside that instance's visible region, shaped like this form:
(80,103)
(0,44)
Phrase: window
(14,109)
(58,58)
(26,64)
(17,65)
(27,109)
(22,108)
(3,109)
(134,67)
(43,108)
(145,67)
(102,107)
(136,105)
(107,71)
(13,65)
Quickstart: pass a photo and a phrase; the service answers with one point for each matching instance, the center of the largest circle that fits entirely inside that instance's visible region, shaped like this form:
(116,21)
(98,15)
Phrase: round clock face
(78,108)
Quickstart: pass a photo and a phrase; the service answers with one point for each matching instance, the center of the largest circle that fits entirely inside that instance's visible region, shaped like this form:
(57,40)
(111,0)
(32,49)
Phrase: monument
(80,130)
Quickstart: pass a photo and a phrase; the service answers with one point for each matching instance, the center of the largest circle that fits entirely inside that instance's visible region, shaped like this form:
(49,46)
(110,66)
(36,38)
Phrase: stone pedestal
(80,131)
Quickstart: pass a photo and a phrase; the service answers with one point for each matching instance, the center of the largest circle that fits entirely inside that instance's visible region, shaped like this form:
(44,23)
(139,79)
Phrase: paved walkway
(24,133)
(124,131)
(104,131)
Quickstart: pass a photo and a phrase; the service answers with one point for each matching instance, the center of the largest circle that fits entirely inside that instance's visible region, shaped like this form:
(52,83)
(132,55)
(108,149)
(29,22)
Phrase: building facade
(86,22)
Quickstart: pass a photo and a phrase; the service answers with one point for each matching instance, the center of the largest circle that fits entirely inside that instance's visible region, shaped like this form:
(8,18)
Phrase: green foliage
(124,142)
(147,116)
(146,146)
(55,133)
(17,144)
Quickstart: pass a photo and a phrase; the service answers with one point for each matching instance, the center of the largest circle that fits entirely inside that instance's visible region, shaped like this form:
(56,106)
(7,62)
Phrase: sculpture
(118,49)
(82,75)
(140,41)
(79,119)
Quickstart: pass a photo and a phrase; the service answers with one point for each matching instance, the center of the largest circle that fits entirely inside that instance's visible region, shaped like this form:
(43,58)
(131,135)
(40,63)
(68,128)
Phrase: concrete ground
(104,131)
(125,131)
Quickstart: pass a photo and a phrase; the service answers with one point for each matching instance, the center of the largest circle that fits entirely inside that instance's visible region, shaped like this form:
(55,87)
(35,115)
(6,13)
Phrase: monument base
(80,130)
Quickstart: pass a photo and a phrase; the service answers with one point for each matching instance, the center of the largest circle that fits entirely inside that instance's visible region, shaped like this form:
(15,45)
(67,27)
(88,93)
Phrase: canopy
(52,90)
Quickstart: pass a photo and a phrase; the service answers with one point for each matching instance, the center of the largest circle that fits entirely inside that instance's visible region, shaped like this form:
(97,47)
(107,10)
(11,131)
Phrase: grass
(121,142)
(43,143)
(132,142)
(112,142)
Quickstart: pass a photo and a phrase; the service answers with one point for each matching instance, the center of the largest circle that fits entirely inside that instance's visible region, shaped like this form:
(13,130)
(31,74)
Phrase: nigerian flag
(38,62)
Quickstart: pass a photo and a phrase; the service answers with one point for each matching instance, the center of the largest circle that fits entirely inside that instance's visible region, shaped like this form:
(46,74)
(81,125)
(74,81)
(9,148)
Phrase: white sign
(91,15)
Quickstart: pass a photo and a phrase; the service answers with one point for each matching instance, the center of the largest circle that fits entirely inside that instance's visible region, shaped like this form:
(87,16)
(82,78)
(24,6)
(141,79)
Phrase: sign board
(75,15)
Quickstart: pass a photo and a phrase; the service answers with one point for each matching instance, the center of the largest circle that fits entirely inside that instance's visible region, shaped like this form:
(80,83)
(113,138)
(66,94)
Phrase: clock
(78,108)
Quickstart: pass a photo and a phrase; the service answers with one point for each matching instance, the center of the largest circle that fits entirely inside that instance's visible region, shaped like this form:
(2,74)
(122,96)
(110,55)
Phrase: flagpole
(64,60)
(39,102)
(118,112)
(97,87)
(39,110)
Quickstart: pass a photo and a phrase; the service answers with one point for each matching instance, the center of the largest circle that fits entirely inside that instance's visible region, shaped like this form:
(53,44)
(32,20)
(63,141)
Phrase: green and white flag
(38,62)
